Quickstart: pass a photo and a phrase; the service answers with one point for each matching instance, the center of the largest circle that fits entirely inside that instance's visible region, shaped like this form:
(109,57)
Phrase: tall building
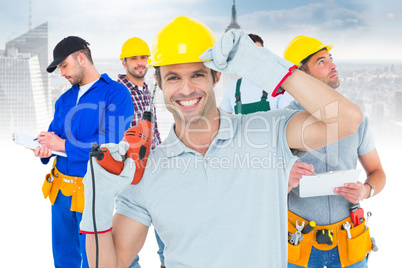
(34,42)
(226,78)
(24,86)
(233,23)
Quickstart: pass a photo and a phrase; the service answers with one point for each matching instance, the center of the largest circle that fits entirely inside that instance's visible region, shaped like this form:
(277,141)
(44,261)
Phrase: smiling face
(321,67)
(188,91)
(136,66)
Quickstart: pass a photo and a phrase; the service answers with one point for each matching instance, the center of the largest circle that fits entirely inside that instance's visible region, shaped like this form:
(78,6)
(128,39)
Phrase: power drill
(139,138)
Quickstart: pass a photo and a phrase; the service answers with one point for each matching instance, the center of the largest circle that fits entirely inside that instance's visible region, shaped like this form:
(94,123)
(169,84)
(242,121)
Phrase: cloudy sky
(369,30)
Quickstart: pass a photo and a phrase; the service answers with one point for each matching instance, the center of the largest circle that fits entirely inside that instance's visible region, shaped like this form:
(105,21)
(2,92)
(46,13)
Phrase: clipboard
(30,142)
(324,183)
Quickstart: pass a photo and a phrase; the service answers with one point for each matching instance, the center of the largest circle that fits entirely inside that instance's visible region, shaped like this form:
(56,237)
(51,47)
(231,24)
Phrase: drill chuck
(147,115)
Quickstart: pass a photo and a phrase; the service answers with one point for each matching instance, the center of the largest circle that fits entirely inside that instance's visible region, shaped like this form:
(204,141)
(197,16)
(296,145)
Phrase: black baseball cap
(64,48)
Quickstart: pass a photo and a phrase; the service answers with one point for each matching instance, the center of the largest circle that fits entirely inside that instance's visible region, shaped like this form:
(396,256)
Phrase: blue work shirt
(101,115)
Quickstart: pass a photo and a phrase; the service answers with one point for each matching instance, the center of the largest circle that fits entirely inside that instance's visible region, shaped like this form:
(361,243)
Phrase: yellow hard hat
(134,47)
(301,47)
(182,40)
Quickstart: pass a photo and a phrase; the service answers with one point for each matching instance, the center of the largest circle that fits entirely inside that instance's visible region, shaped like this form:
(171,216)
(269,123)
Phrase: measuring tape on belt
(327,237)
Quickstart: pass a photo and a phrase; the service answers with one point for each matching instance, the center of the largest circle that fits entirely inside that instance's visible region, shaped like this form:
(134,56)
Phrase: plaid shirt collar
(141,100)
(130,85)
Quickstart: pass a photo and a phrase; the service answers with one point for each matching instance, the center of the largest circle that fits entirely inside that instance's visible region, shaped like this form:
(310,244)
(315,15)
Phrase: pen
(37,138)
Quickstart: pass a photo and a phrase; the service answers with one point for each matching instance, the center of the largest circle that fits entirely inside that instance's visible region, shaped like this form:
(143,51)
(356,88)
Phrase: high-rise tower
(34,42)
(233,23)
(227,78)
(24,90)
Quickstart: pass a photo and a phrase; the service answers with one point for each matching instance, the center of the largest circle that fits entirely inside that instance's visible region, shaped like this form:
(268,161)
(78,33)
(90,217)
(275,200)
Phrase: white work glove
(236,53)
(107,185)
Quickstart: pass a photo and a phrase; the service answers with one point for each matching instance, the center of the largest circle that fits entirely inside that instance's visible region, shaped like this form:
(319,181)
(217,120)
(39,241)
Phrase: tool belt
(350,250)
(68,185)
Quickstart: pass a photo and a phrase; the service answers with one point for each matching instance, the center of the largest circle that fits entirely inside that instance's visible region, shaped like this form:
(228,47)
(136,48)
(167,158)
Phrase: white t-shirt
(84,89)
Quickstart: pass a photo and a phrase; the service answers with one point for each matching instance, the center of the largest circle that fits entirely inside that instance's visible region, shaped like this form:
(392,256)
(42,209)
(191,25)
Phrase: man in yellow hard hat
(135,56)
(215,189)
(331,212)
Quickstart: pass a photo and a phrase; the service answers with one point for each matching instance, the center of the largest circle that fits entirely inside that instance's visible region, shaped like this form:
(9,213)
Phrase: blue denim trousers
(161,246)
(329,259)
(67,243)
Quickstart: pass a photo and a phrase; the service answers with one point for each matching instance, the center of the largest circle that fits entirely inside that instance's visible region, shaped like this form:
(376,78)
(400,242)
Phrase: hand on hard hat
(236,53)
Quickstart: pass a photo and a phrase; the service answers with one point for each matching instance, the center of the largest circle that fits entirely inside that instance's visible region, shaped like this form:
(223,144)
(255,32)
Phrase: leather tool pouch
(73,186)
(47,185)
(56,181)
(355,249)
(350,250)
(299,254)
(78,199)
(51,185)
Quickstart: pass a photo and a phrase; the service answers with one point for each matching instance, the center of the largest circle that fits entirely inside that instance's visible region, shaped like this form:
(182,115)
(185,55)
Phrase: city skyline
(373,84)
(360,30)
(112,64)
(24,88)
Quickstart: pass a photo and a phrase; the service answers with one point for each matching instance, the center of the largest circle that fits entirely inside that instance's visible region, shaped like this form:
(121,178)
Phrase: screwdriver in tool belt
(309,227)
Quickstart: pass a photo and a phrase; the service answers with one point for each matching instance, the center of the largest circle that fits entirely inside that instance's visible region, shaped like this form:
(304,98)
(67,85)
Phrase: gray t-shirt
(225,209)
(339,155)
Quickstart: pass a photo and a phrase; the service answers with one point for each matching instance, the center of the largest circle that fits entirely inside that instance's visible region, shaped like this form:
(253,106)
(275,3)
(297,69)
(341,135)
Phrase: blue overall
(101,115)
